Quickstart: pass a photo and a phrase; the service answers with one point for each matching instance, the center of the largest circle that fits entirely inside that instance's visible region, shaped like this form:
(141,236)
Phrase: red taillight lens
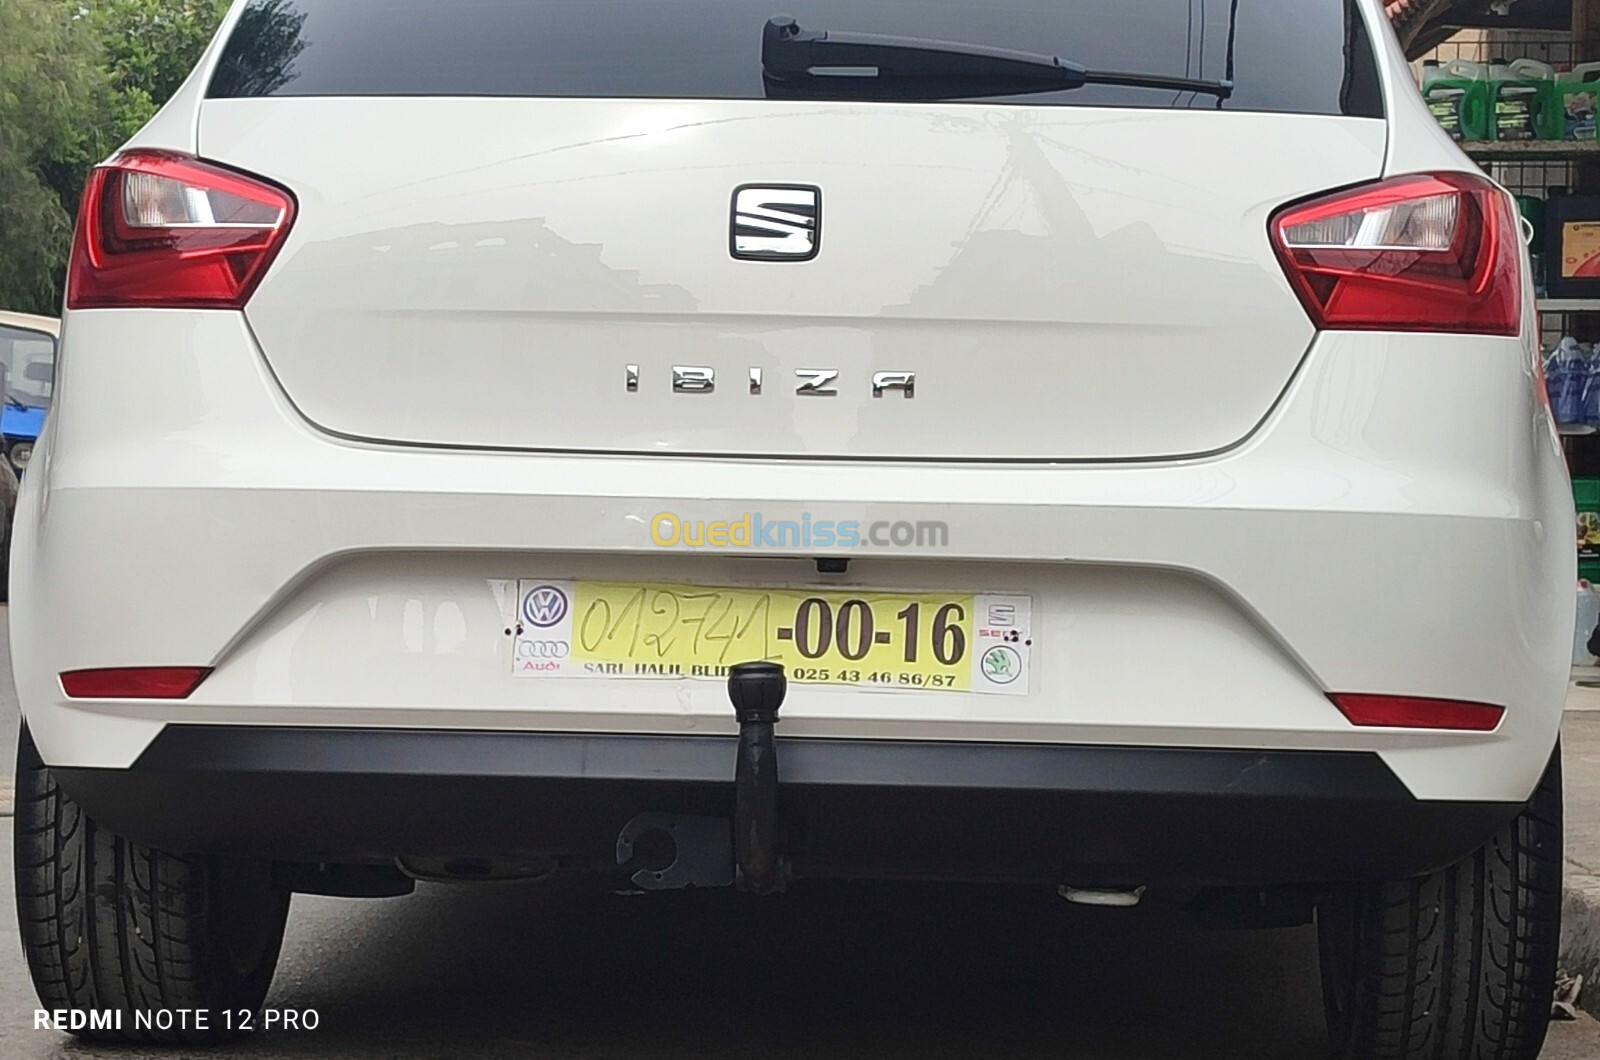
(1412,712)
(143,682)
(165,230)
(1417,253)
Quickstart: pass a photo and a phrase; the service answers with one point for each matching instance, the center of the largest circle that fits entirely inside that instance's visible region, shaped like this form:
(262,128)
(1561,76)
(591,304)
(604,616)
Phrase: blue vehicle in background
(27,376)
(20,424)
(27,381)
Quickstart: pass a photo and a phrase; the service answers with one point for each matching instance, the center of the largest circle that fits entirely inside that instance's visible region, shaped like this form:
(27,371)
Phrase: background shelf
(1532,150)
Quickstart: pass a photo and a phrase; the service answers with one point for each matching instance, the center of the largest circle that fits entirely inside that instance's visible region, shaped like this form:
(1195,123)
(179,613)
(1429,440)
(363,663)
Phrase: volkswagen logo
(544,607)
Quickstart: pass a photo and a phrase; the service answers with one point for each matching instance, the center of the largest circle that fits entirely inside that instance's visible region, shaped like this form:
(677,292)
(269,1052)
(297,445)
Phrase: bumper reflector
(142,682)
(1413,712)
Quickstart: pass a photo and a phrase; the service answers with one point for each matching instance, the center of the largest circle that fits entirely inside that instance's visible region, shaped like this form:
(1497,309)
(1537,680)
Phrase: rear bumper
(1088,815)
(1362,540)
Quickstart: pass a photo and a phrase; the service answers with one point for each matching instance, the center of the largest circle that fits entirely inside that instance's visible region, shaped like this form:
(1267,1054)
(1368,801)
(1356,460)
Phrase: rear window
(1296,56)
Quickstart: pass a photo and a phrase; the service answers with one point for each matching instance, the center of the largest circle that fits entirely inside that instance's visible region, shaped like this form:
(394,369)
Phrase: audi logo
(543,649)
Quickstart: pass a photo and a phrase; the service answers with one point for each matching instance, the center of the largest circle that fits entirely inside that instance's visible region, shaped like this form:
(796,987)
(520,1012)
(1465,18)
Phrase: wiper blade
(800,62)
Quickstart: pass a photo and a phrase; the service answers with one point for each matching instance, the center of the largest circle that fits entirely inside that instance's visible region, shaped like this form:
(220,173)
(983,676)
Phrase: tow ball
(757,690)
(672,851)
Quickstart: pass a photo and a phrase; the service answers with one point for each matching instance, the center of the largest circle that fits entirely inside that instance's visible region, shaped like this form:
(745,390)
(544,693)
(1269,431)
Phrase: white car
(1120,420)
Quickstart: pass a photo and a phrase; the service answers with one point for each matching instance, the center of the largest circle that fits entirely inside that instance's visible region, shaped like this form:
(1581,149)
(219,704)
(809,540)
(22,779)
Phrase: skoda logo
(544,607)
(1002,665)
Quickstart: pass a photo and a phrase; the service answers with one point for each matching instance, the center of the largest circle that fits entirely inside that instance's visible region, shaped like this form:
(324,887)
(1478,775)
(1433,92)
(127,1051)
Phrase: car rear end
(1141,487)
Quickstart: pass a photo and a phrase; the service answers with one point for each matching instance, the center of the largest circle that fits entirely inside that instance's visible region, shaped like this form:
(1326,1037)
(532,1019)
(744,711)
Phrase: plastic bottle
(1572,372)
(1469,69)
(1543,77)
(1575,106)
(1566,372)
(1591,390)
(1457,93)
(1588,618)
(1522,94)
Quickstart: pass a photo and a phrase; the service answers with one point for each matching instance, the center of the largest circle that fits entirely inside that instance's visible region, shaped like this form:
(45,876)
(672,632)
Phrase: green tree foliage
(149,47)
(77,78)
(50,86)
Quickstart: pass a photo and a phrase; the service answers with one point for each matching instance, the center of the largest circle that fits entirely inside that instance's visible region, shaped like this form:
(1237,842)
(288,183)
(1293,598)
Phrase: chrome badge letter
(693,379)
(905,382)
(817,382)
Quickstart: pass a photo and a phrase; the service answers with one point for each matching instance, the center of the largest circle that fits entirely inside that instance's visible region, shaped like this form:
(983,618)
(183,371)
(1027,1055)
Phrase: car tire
(1456,965)
(109,925)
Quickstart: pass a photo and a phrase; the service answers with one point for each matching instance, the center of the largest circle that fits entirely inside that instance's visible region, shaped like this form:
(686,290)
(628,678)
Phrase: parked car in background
(27,378)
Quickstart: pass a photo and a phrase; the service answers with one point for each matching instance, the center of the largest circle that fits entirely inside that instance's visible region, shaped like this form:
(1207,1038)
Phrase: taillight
(164,230)
(1416,253)
(1413,712)
(137,682)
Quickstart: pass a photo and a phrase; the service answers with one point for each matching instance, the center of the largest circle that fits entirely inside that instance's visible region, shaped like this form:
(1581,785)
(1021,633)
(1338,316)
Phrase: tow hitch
(757,690)
(672,851)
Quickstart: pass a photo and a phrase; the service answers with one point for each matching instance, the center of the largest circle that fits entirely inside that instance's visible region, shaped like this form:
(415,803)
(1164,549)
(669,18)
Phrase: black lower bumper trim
(1098,815)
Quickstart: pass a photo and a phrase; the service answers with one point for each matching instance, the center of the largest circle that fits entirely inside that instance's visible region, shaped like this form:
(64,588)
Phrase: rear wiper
(800,62)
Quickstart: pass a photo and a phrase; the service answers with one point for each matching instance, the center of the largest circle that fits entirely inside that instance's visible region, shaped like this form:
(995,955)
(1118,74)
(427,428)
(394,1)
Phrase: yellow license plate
(884,641)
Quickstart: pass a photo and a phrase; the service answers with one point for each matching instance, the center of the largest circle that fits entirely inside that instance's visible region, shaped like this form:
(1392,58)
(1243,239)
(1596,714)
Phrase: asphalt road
(846,972)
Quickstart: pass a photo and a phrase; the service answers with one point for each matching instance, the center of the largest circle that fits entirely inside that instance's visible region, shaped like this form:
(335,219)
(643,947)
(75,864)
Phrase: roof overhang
(1422,24)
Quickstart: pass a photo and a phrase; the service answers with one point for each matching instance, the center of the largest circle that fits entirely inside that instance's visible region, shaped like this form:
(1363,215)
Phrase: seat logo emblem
(776,222)
(544,607)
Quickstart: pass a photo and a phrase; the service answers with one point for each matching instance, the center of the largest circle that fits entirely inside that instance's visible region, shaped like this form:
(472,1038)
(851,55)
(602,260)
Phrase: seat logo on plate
(776,222)
(544,607)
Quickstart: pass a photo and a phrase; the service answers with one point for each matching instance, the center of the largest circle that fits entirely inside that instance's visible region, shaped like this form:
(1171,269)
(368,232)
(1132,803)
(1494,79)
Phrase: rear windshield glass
(1298,56)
